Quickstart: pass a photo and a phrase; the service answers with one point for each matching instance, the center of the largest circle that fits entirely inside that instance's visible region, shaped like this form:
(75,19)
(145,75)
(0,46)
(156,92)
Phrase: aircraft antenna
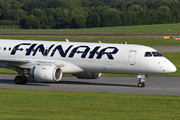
(67,40)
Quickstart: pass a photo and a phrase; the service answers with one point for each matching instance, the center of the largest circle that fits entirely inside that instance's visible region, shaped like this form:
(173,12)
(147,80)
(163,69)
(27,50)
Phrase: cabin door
(132,57)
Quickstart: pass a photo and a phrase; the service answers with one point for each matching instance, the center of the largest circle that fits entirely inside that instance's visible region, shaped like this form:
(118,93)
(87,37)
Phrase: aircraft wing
(22,64)
(29,64)
(14,60)
(13,63)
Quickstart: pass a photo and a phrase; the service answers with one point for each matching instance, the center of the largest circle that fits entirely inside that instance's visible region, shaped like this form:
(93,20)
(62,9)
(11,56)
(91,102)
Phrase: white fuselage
(77,57)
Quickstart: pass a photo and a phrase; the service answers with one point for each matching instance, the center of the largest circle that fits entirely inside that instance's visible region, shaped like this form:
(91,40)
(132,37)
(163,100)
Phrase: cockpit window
(148,54)
(156,54)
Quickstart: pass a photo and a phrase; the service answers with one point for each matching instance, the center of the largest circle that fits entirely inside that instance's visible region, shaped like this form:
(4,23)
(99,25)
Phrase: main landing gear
(20,79)
(141,83)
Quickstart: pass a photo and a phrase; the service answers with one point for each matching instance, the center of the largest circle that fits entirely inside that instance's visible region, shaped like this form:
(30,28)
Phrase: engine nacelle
(88,75)
(46,73)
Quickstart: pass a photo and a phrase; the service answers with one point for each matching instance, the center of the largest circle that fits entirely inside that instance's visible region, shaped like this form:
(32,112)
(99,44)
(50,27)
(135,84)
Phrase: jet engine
(46,73)
(88,75)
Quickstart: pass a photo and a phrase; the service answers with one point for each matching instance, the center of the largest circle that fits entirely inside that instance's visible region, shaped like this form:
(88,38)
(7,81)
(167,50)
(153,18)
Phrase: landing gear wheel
(20,80)
(25,80)
(141,84)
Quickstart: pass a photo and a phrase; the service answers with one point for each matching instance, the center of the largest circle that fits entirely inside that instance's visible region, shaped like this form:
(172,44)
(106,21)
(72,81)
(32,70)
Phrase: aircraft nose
(169,68)
(172,68)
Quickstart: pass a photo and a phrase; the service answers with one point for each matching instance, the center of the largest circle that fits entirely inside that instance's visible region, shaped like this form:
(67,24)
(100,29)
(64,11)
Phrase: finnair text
(70,51)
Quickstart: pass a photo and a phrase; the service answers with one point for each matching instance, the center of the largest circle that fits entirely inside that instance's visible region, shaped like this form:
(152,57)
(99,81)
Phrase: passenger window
(148,54)
(156,54)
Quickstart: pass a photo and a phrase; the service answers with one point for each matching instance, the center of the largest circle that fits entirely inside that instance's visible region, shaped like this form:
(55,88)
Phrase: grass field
(47,105)
(148,41)
(61,105)
(142,29)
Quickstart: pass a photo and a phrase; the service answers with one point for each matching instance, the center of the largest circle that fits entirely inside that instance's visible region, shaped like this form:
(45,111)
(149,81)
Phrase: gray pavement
(154,85)
(167,48)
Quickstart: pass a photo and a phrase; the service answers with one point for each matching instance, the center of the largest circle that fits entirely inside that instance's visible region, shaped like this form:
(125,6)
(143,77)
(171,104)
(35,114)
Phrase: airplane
(47,61)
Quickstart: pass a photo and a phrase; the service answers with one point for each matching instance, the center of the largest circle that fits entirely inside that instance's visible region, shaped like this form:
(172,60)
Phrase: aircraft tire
(141,84)
(20,80)
(25,80)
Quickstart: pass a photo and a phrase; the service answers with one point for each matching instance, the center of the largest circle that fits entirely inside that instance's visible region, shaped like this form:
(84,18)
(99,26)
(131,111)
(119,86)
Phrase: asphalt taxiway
(154,85)
(165,49)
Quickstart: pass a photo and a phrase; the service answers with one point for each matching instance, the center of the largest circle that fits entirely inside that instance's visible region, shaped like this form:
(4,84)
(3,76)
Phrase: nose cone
(171,68)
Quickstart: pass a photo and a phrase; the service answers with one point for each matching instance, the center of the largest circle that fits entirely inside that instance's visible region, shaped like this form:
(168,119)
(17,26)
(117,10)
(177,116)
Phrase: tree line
(65,14)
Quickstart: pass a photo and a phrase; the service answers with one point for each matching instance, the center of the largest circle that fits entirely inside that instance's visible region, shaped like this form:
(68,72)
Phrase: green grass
(148,41)
(34,104)
(48,105)
(141,29)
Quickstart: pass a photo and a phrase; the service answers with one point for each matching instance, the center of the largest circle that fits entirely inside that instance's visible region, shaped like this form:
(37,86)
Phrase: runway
(154,85)
(166,49)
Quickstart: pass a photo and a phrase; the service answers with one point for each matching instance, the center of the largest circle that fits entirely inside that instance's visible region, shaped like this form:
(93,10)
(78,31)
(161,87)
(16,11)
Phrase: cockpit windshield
(156,54)
(150,54)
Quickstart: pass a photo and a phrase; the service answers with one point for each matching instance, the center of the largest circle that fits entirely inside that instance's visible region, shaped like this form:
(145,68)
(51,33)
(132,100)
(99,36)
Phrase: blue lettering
(109,54)
(42,50)
(64,52)
(92,53)
(13,52)
(30,49)
(61,51)
(84,53)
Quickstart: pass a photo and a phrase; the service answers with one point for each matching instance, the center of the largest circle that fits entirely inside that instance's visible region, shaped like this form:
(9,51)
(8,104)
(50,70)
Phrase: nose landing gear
(141,83)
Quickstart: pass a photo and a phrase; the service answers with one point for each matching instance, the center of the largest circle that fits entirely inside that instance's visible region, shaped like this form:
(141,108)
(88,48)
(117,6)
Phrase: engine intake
(88,75)
(46,73)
